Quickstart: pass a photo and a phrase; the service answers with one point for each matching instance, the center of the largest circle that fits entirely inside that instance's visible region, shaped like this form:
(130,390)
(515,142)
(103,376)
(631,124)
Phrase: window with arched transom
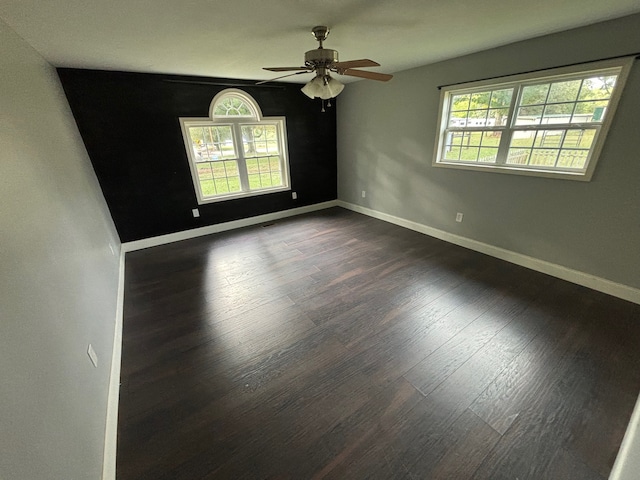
(236,152)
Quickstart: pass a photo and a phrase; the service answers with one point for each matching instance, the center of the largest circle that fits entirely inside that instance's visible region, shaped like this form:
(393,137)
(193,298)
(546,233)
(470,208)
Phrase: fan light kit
(323,61)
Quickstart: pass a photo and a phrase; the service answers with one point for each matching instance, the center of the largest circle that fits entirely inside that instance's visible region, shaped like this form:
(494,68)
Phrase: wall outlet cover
(195,212)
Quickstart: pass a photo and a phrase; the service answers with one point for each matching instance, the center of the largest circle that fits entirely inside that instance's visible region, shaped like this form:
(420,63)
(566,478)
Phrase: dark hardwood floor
(333,345)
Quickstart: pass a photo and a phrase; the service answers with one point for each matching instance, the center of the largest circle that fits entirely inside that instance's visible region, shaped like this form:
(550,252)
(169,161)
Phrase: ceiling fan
(322,61)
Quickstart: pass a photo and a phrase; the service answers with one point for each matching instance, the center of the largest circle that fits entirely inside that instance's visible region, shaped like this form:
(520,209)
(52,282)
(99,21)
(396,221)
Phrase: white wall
(386,136)
(58,279)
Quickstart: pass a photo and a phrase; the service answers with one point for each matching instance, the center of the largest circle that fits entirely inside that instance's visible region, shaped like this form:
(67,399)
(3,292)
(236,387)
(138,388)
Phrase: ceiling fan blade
(381,77)
(355,64)
(283,76)
(284,69)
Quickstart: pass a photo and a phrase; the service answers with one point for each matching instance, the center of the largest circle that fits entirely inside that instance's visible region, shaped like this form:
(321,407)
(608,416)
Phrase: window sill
(579,176)
(234,196)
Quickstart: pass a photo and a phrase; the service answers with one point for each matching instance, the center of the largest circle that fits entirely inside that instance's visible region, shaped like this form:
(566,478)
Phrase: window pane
(469,154)
(252,166)
(558,113)
(265,178)
(234,184)
(232,168)
(458,119)
(254,182)
(544,157)
(579,139)
(548,138)
(597,88)
(264,165)
(218,177)
(574,101)
(480,100)
(501,98)
(221,185)
(218,169)
(264,172)
(491,139)
(451,153)
(518,156)
(498,116)
(564,91)
(208,187)
(460,102)
(455,138)
(477,118)
(587,112)
(480,109)
(260,140)
(534,94)
(205,178)
(572,159)
(529,115)
(232,107)
(476,146)
(522,138)
(575,144)
(472,139)
(212,143)
(488,155)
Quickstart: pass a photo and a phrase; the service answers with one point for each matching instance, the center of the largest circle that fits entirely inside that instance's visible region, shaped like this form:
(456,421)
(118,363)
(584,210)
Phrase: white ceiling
(235,38)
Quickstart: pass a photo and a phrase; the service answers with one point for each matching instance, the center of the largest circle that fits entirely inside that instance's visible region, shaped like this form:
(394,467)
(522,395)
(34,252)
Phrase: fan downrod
(321,33)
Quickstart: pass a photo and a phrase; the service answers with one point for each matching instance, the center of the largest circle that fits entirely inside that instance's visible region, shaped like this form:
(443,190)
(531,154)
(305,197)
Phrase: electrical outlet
(294,195)
(195,212)
(364,193)
(459,217)
(92,355)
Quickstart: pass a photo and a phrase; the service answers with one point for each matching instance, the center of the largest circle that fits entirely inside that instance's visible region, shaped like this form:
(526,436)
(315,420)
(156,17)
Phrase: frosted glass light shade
(332,88)
(323,87)
(314,87)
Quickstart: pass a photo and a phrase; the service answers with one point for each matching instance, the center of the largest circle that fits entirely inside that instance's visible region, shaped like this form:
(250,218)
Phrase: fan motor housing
(320,56)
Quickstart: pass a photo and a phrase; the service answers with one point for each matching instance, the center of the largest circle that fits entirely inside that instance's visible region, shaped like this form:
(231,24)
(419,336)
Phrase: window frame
(518,82)
(236,122)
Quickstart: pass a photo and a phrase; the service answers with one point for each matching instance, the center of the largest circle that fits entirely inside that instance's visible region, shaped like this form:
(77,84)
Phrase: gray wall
(58,280)
(386,136)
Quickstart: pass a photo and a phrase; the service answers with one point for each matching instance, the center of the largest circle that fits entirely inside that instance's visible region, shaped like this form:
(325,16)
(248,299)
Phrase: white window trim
(236,122)
(521,80)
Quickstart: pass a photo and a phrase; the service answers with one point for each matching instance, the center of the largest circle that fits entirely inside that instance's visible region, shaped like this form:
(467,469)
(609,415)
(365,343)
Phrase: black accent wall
(129,124)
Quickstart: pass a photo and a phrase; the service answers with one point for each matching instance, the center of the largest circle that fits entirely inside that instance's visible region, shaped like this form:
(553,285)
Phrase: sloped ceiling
(235,38)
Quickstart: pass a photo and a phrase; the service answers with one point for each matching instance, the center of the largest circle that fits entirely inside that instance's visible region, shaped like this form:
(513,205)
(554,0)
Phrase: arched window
(236,152)
(231,103)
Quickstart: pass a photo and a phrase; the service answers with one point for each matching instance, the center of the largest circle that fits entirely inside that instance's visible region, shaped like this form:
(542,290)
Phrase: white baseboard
(587,280)
(627,463)
(222,227)
(111,430)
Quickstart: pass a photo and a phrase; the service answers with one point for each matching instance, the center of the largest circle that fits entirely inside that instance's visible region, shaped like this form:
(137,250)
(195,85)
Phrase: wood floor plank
(469,442)
(533,370)
(435,368)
